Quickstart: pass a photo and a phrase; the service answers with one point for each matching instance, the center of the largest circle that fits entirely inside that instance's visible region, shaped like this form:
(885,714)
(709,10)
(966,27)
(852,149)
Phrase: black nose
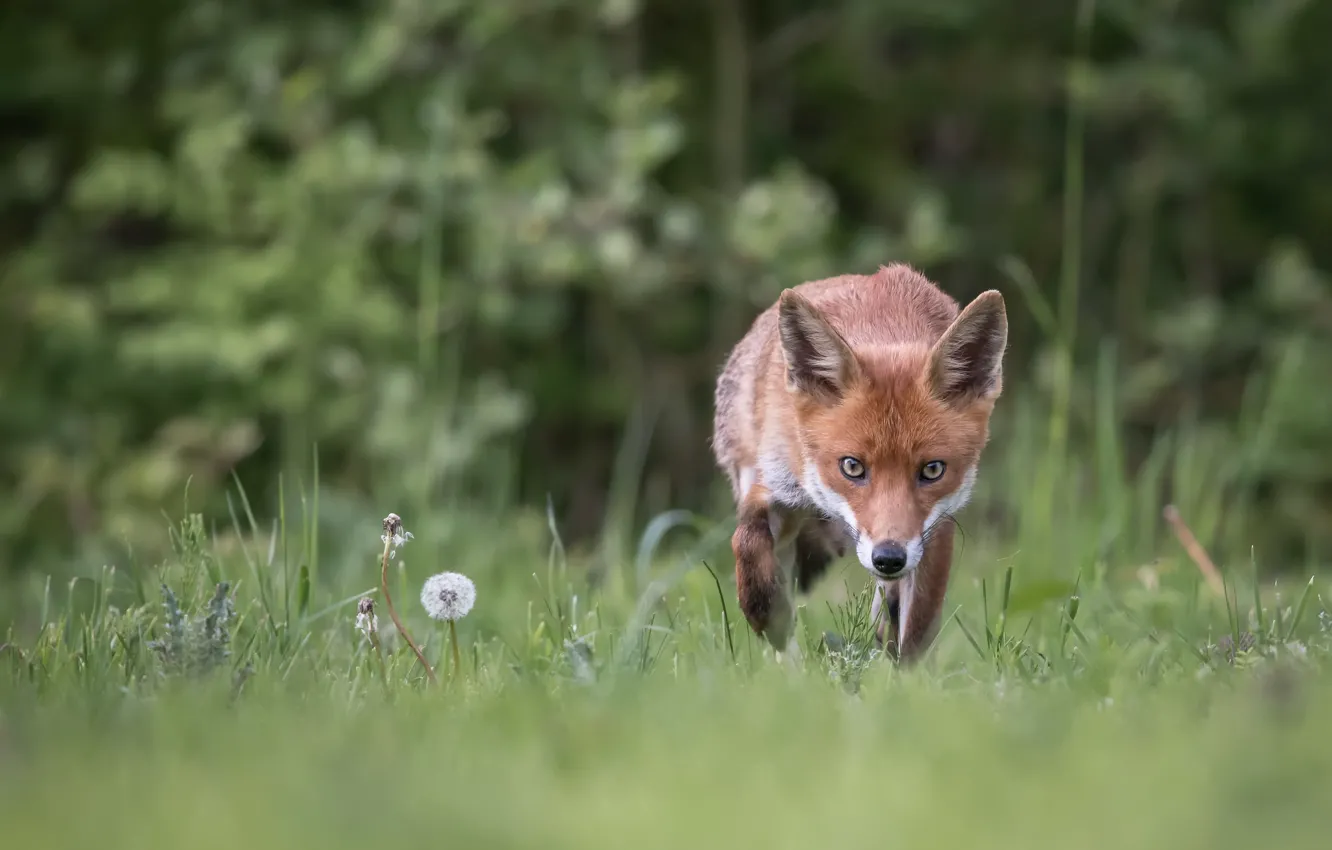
(889,557)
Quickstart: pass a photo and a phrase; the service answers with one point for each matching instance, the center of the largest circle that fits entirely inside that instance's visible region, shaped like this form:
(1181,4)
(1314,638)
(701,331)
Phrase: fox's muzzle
(888,558)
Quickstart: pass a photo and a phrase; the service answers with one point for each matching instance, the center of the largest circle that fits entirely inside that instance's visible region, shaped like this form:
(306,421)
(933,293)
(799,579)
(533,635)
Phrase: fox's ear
(967,362)
(819,363)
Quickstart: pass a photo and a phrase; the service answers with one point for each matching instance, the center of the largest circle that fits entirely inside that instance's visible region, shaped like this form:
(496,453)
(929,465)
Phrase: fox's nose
(889,557)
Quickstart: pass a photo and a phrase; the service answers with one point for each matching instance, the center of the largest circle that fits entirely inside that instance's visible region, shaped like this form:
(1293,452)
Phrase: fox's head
(891,434)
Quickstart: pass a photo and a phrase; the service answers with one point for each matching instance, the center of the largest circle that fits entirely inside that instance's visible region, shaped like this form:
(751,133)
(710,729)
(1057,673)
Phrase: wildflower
(448,596)
(394,534)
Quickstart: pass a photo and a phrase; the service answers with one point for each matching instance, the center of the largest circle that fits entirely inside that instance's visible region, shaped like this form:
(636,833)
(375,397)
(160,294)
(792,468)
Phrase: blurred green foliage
(465,248)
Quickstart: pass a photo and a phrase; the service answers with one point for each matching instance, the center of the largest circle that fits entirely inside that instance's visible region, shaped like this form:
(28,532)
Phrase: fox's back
(896,305)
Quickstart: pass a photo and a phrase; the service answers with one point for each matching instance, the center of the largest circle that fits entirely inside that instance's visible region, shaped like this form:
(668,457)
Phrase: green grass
(715,760)
(1084,693)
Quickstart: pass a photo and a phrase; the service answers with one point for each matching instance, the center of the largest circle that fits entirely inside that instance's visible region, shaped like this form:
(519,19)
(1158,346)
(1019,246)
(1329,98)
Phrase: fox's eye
(853,469)
(932,470)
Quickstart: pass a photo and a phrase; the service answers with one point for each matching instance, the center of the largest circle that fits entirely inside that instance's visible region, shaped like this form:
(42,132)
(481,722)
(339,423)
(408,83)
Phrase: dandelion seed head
(448,596)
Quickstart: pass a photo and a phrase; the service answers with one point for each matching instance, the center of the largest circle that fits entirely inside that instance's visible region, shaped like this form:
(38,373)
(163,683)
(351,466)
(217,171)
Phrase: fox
(852,416)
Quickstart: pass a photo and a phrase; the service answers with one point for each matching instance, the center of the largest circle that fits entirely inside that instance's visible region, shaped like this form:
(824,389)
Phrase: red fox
(852,415)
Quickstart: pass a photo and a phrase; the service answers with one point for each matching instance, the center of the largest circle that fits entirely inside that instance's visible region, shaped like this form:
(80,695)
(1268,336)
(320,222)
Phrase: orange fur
(833,415)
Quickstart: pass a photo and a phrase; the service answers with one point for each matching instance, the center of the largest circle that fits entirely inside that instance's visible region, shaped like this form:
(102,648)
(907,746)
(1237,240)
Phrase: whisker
(928,533)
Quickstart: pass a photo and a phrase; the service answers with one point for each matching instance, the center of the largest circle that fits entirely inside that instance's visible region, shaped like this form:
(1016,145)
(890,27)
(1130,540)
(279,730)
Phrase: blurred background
(480,262)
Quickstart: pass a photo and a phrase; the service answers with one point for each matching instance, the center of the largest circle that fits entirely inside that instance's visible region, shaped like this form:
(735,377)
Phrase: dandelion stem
(383,666)
(457,659)
(393,614)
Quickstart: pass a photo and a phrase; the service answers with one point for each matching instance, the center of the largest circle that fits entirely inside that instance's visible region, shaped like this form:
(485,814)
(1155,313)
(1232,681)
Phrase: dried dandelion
(395,534)
(368,624)
(366,621)
(393,537)
(449,597)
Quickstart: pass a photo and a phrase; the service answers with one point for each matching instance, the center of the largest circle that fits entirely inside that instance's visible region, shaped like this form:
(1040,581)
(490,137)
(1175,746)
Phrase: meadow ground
(1089,689)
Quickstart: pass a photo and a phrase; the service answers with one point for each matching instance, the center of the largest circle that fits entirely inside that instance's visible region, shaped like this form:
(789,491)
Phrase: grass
(1077,696)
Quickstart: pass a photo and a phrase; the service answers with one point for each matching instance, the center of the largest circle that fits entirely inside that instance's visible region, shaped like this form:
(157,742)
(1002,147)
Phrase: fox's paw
(764,602)
(768,611)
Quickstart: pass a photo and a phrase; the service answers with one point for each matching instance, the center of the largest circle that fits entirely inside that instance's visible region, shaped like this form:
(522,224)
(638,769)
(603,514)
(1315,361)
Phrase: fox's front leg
(759,581)
(906,612)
